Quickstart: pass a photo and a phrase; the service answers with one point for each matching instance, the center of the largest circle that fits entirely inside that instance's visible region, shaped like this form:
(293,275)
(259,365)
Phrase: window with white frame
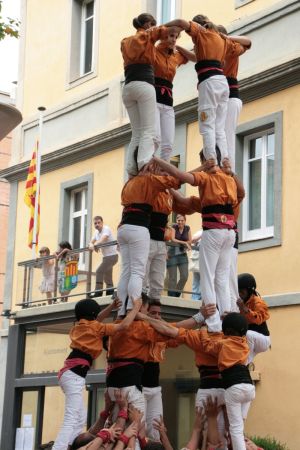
(165,11)
(87,36)
(258,176)
(78,220)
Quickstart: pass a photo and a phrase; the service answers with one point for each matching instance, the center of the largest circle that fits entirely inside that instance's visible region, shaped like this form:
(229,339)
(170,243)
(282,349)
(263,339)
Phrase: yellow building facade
(84,141)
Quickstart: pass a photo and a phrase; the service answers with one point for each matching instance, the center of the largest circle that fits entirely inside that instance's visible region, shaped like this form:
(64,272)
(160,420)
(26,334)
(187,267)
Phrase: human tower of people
(230,328)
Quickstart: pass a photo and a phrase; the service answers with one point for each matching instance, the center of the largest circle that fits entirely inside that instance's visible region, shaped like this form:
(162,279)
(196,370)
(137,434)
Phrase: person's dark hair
(202,157)
(222,29)
(219,156)
(205,22)
(87,309)
(98,218)
(145,299)
(218,153)
(65,244)
(139,22)
(81,440)
(201,19)
(248,282)
(234,324)
(153,445)
(181,215)
(154,302)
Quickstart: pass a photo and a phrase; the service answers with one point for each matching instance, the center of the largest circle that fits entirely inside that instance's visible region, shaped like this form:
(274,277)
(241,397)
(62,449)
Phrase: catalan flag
(30,198)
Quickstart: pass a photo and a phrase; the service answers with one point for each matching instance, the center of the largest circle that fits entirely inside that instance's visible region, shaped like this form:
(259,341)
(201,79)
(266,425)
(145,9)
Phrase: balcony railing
(78,279)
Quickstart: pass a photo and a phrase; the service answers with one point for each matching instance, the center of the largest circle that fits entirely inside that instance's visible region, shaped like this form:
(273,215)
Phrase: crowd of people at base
(230,328)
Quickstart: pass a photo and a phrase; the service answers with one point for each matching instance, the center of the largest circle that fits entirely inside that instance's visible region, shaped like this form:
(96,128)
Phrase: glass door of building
(28,433)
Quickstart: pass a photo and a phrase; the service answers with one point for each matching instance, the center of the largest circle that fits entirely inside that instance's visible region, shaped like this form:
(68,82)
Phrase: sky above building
(9,49)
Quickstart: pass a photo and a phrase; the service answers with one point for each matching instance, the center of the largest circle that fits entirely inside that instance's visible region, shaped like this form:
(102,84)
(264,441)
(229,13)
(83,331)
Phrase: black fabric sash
(164,91)
(236,375)
(137,214)
(208,68)
(233,87)
(139,72)
(157,226)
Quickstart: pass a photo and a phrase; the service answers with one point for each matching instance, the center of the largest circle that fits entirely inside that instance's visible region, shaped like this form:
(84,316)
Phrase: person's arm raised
(194,441)
(183,24)
(243,40)
(186,53)
(160,326)
(205,311)
(127,321)
(183,177)
(116,304)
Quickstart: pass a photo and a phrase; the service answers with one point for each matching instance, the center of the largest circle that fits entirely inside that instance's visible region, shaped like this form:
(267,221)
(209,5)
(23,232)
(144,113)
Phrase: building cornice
(252,88)
(264,17)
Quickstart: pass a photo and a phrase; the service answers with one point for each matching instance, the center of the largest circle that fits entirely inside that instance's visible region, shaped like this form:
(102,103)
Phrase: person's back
(232,352)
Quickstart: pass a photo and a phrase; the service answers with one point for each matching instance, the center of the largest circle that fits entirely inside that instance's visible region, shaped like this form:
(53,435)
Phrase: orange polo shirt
(216,189)
(139,48)
(86,335)
(157,350)
(230,350)
(210,45)
(163,202)
(193,339)
(134,342)
(231,65)
(145,188)
(258,310)
(166,62)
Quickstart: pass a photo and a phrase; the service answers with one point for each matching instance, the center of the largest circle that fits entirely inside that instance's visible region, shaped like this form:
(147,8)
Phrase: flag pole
(41,110)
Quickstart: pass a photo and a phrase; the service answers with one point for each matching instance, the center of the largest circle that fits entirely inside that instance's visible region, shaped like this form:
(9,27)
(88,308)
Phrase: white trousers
(165,130)
(155,269)
(154,409)
(214,262)
(233,283)
(134,242)
(235,397)
(258,343)
(233,111)
(75,411)
(139,99)
(134,397)
(212,110)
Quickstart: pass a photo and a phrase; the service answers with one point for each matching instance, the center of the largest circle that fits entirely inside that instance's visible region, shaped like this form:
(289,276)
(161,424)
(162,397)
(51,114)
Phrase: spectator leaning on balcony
(103,235)
(47,266)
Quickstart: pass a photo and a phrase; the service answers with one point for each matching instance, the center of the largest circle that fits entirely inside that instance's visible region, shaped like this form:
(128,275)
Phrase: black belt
(139,72)
(208,68)
(233,87)
(164,91)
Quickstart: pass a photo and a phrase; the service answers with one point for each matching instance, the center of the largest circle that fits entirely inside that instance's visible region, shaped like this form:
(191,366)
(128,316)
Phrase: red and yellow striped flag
(30,199)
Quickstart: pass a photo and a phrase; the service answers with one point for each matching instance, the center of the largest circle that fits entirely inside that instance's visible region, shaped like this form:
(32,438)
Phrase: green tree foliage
(268,443)
(8,26)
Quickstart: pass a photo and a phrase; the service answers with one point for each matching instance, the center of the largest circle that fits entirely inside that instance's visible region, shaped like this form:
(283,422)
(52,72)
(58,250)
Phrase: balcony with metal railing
(50,280)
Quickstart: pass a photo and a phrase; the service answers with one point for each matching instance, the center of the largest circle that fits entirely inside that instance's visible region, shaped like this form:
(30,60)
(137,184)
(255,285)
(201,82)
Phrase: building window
(258,210)
(84,41)
(78,217)
(259,166)
(165,11)
(239,3)
(87,37)
(75,216)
